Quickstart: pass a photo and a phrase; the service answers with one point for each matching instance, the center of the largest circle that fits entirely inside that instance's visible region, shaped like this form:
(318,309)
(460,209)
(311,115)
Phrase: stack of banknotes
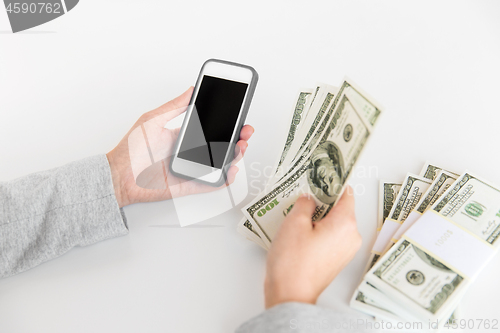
(436,231)
(329,128)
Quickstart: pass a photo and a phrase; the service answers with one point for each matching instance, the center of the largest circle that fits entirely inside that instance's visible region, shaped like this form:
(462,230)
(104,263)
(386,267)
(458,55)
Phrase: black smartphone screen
(211,125)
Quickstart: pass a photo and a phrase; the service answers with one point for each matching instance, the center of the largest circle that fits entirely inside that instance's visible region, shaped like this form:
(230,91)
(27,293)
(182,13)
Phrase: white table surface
(72,88)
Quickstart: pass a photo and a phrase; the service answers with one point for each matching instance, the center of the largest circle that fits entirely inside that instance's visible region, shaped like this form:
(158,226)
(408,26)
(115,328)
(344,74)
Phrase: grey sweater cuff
(45,214)
(300,318)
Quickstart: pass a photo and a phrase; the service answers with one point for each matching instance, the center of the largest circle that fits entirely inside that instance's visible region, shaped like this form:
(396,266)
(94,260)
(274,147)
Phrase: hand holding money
(330,128)
(305,256)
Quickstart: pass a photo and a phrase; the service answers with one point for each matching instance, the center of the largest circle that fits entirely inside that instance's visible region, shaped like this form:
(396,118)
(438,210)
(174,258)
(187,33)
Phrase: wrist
(118,185)
(277,292)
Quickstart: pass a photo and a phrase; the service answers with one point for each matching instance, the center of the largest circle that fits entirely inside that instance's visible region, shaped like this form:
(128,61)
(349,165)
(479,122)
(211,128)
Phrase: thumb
(346,202)
(302,211)
(343,209)
(172,109)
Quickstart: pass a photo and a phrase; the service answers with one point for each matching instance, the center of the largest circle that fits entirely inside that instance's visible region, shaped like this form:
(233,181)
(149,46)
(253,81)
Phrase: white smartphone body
(214,117)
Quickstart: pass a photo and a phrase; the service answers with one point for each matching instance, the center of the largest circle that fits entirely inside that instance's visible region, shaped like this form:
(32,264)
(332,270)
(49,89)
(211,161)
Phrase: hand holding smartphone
(214,118)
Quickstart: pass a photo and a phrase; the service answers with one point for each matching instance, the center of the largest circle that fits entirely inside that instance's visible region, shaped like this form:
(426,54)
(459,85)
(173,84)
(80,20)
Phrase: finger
(175,132)
(230,178)
(246,132)
(231,175)
(242,145)
(170,110)
(178,102)
(302,211)
(239,151)
(343,210)
(346,202)
(194,187)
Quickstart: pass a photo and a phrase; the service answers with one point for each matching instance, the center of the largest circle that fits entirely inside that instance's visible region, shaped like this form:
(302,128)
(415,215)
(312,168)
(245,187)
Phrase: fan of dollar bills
(330,127)
(436,231)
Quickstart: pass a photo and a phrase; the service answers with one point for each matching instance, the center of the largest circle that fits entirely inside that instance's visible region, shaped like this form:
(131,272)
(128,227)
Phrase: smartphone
(217,111)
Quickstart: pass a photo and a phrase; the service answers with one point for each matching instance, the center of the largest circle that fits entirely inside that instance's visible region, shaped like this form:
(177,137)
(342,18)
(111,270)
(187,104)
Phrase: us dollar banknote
(315,115)
(325,169)
(322,105)
(369,111)
(474,204)
(245,229)
(372,301)
(298,116)
(409,275)
(360,301)
(388,192)
(441,184)
(302,105)
(430,171)
(409,195)
(413,281)
(385,302)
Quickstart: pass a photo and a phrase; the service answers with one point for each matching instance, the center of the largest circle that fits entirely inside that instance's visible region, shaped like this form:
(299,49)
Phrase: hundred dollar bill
(441,183)
(416,280)
(380,305)
(245,229)
(362,302)
(470,202)
(410,193)
(323,172)
(372,260)
(475,205)
(313,97)
(430,171)
(387,196)
(381,300)
(321,106)
(362,101)
(316,113)
(299,114)
(248,226)
(395,312)
(388,192)
(302,104)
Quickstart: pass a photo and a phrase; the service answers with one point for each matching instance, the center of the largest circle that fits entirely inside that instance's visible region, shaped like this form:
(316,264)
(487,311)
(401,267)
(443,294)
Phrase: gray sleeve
(301,317)
(45,214)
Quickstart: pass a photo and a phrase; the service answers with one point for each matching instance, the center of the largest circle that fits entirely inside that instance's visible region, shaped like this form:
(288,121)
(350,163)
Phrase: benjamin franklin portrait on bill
(325,174)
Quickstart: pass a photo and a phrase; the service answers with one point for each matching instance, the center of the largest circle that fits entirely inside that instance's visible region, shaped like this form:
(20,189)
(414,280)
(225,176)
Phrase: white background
(73,87)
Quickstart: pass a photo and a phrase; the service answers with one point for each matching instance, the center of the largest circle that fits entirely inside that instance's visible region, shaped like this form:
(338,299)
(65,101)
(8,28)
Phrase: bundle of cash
(436,231)
(329,128)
